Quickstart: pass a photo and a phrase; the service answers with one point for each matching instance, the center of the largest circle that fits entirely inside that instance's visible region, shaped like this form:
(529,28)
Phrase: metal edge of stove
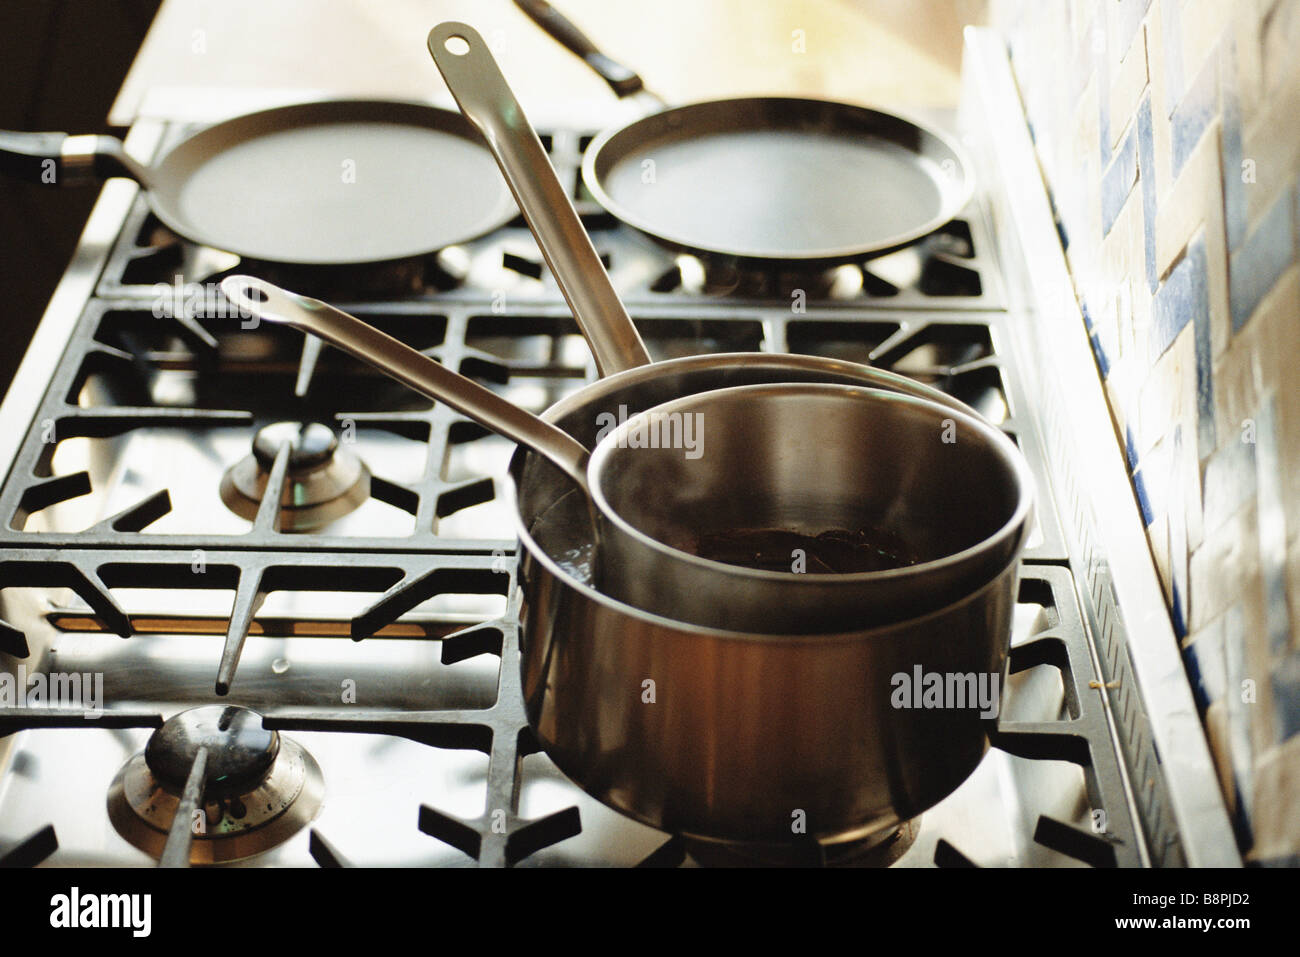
(1154,717)
(60,318)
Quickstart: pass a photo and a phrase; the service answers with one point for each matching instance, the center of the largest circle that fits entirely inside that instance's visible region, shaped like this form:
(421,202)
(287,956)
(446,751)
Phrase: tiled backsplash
(1169,134)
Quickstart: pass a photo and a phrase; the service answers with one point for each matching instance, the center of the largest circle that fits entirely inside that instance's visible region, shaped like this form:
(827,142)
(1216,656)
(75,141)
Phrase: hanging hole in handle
(245,293)
(456,45)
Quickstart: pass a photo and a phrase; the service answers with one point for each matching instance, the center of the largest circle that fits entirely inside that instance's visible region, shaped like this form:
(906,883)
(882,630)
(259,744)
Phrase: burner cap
(324,480)
(240,750)
(310,445)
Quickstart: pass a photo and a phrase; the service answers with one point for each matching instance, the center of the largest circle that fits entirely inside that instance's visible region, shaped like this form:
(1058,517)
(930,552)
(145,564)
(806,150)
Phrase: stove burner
(259,789)
(878,850)
(323,481)
(161,256)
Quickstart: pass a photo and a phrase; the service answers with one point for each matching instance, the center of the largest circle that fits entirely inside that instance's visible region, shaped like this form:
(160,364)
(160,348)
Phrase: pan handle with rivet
(259,298)
(622,79)
(484,97)
(59,159)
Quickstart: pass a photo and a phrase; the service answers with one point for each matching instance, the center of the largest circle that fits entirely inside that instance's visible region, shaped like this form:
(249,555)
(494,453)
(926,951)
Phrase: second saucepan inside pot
(805,508)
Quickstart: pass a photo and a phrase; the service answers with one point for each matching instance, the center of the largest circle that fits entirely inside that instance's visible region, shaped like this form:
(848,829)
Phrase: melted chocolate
(834,552)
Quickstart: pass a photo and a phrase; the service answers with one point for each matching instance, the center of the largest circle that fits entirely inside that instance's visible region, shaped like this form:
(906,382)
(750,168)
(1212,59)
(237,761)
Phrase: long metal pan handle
(60,159)
(484,97)
(412,368)
(623,80)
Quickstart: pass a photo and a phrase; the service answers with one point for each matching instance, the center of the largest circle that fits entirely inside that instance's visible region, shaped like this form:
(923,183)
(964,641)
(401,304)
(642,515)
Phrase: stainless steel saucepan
(753,462)
(723,735)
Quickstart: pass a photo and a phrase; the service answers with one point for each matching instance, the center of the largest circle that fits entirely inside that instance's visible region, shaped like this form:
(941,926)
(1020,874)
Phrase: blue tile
(1184,297)
(1199,105)
(1117,181)
(1147,172)
(1255,268)
(1181,298)
(1102,362)
(1285,678)
(1206,665)
(1144,501)
(1234,189)
(1176,612)
(1176,513)
(1240,817)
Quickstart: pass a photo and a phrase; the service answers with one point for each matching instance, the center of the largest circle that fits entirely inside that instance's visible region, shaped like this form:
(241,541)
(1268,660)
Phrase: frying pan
(328,183)
(768,178)
(970,498)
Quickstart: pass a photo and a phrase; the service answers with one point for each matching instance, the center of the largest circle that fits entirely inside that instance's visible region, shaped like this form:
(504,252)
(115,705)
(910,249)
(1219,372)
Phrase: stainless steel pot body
(728,735)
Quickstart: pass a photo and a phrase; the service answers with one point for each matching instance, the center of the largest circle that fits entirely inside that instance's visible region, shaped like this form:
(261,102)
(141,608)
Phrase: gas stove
(330,631)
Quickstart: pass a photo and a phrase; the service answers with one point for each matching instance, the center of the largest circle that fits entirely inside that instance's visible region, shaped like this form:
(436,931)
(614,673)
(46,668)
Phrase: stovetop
(384,642)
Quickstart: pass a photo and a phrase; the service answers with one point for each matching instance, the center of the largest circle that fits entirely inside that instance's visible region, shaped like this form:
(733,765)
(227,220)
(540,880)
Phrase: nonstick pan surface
(326,183)
(779,178)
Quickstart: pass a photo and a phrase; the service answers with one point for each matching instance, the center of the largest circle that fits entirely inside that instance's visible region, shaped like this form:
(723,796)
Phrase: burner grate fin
(324,853)
(311,350)
(894,347)
(268,510)
(1049,649)
(1042,741)
(408,593)
(136,517)
(92,590)
(671,853)
(876,286)
(50,492)
(472,642)
(106,422)
(31,850)
(450,831)
(249,596)
(180,836)
(1083,846)
(395,494)
(477,364)
(945,855)
(463,495)
(451,730)
(941,276)
(13,641)
(23,719)
(542,833)
(197,333)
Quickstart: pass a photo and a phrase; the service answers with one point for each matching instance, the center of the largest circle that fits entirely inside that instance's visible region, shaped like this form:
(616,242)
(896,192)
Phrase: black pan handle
(621,79)
(59,159)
